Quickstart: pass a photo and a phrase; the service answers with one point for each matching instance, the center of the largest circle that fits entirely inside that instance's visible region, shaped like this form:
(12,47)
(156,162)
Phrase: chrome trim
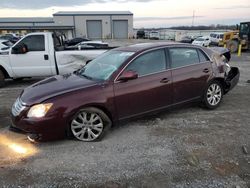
(167,69)
(18,107)
(190,65)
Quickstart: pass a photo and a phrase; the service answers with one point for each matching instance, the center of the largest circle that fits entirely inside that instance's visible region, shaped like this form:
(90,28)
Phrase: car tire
(90,124)
(2,79)
(213,95)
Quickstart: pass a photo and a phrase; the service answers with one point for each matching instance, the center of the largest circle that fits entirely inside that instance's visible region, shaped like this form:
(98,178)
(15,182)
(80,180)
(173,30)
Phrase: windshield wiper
(86,76)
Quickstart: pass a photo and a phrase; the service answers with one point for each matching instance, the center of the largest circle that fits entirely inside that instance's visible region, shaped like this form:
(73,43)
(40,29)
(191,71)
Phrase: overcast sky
(147,13)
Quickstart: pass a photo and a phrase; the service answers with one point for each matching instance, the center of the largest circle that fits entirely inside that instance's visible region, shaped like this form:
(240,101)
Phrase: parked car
(186,39)
(13,38)
(5,44)
(41,55)
(89,45)
(75,41)
(140,34)
(120,84)
(216,38)
(202,41)
(155,35)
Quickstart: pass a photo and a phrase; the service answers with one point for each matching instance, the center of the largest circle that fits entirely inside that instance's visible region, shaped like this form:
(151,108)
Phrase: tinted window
(34,43)
(149,63)
(183,56)
(202,56)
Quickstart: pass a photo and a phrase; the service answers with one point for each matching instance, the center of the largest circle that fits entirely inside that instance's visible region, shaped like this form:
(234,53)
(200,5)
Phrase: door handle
(206,70)
(165,80)
(46,57)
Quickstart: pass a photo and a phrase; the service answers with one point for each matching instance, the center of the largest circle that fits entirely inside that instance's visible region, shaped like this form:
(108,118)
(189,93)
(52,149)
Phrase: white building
(90,24)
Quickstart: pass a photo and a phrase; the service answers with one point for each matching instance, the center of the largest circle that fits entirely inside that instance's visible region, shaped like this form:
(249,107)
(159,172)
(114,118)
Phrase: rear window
(203,57)
(183,57)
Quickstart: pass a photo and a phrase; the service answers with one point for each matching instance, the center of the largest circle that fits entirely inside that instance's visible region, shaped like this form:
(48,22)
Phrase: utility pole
(193,18)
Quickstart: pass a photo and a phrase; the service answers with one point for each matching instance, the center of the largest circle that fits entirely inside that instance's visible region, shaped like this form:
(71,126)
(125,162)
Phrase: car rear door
(191,70)
(150,91)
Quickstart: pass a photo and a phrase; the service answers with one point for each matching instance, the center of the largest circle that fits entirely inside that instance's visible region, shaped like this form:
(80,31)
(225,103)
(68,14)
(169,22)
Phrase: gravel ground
(184,147)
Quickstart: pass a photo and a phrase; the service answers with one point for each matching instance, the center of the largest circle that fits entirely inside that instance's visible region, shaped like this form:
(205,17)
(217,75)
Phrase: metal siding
(120,29)
(94,29)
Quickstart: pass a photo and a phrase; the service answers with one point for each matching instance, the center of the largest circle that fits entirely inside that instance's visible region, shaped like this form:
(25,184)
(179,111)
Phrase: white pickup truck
(40,55)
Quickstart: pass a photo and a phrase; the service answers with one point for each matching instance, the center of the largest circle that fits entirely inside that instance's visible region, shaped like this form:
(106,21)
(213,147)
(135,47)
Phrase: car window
(34,43)
(202,56)
(102,67)
(183,56)
(151,62)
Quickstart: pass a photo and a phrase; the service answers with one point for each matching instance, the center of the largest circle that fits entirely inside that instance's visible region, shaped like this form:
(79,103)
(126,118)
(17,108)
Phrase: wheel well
(105,110)
(223,83)
(69,118)
(6,75)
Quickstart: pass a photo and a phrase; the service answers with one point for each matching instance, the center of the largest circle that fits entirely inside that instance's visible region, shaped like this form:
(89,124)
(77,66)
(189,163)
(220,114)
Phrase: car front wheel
(213,95)
(90,124)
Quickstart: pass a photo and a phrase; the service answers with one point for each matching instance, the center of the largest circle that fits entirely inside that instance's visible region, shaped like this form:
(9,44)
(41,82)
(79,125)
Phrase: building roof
(27,20)
(57,27)
(91,13)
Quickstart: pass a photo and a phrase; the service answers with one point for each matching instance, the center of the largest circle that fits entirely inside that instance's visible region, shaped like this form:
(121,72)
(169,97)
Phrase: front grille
(18,107)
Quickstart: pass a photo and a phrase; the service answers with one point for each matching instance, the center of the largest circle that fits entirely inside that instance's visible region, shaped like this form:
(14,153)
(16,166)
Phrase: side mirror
(128,75)
(20,49)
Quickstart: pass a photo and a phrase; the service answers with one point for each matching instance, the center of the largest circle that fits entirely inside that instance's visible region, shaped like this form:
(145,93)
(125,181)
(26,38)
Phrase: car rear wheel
(2,78)
(90,124)
(213,95)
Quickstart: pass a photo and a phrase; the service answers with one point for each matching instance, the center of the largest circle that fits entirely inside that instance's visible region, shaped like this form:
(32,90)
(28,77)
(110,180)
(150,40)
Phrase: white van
(215,38)
(154,35)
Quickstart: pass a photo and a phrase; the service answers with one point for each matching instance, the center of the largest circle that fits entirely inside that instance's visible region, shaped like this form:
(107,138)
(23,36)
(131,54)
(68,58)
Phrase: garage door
(94,29)
(120,29)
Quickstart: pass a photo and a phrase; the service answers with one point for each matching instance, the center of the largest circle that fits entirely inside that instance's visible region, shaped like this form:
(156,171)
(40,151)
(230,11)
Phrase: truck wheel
(232,45)
(90,124)
(213,95)
(2,78)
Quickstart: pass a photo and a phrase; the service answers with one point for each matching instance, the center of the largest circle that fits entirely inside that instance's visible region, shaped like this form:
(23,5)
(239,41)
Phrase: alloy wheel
(87,126)
(214,94)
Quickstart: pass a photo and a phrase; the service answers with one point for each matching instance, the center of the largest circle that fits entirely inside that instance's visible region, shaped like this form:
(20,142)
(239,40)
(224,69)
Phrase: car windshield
(200,39)
(105,65)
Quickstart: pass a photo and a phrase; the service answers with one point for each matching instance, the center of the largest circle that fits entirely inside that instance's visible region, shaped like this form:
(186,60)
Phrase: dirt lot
(186,147)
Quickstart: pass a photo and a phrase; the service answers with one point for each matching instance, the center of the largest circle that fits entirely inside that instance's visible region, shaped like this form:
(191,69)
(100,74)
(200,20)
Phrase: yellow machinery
(233,39)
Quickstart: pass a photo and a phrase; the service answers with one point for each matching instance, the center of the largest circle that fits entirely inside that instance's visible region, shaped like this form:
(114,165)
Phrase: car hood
(54,86)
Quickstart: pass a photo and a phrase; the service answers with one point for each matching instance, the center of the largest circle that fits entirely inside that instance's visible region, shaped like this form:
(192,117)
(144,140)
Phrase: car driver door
(152,89)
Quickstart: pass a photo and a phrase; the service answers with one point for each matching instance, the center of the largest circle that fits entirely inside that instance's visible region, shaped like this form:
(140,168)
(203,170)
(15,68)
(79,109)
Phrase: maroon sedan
(120,84)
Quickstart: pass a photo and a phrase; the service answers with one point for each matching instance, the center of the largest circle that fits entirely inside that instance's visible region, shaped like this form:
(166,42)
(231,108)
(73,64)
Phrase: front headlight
(39,110)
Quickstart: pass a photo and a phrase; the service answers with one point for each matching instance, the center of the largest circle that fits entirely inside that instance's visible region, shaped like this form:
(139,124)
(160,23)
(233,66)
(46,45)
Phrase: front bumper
(232,78)
(45,129)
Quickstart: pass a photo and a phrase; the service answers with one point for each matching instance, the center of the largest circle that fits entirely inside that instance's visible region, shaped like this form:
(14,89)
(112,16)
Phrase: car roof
(147,46)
